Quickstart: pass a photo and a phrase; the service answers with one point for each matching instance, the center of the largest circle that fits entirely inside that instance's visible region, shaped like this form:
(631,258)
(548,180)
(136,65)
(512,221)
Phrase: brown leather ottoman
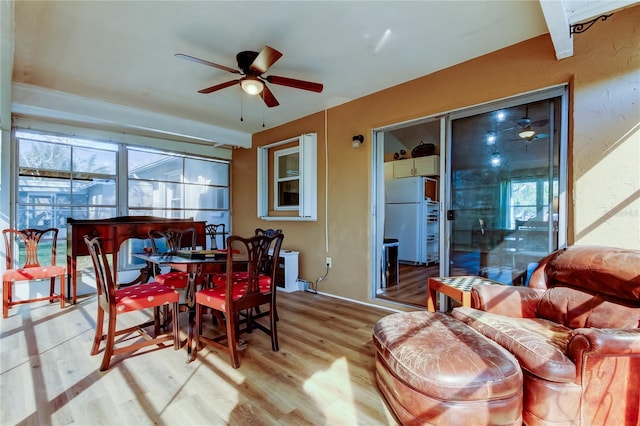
(433,369)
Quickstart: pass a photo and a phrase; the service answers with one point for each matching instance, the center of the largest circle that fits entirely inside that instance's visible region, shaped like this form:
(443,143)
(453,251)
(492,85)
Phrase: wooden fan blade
(202,61)
(298,84)
(267,57)
(268,97)
(540,123)
(218,86)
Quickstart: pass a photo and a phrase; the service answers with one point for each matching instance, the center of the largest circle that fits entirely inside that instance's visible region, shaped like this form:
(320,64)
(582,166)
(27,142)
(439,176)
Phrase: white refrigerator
(405,217)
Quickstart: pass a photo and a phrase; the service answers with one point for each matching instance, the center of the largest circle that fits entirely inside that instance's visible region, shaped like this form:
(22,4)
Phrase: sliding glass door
(505,184)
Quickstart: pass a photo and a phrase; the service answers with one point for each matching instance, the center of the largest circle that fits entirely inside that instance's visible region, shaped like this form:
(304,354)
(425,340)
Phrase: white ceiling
(122,53)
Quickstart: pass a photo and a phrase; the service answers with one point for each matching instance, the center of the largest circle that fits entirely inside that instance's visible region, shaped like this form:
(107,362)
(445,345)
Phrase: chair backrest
(257,252)
(268,232)
(30,238)
(104,280)
(267,263)
(214,230)
(175,239)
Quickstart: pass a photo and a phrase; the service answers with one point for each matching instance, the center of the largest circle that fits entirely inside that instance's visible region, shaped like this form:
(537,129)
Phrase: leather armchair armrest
(519,302)
(602,342)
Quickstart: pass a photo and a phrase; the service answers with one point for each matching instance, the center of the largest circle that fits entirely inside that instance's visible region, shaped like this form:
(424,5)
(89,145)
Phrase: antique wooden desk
(113,232)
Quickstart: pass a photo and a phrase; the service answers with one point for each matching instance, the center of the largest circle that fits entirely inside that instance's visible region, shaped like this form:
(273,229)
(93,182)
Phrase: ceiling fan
(525,126)
(252,66)
(535,136)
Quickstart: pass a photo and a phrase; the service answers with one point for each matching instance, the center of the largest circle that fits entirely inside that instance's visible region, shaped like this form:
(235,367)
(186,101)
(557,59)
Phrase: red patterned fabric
(143,296)
(34,273)
(215,297)
(175,279)
(220,280)
(234,251)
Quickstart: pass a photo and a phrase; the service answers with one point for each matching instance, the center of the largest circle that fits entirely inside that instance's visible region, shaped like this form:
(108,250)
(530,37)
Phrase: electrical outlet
(328,261)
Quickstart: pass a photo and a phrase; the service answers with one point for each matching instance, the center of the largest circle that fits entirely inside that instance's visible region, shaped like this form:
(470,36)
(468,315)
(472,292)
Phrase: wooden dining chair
(115,301)
(243,287)
(266,264)
(174,239)
(39,264)
(268,232)
(215,230)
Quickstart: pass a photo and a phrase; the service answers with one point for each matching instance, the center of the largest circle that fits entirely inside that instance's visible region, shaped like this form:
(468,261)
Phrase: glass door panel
(504,188)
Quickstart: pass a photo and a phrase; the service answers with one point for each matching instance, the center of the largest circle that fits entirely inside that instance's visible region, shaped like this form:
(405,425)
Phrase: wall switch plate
(328,262)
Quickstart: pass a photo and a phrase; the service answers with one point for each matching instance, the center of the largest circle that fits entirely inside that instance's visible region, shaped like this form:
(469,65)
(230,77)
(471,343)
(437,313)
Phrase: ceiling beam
(560,15)
(558,25)
(37,101)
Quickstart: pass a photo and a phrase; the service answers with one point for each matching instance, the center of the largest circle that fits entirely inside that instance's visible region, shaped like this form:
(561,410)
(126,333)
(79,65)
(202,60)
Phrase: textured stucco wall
(604,157)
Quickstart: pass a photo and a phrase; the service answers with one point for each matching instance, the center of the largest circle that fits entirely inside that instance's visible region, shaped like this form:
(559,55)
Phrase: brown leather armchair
(574,331)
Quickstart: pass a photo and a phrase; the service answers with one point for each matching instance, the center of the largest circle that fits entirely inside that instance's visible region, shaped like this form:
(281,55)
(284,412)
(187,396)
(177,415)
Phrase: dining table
(198,264)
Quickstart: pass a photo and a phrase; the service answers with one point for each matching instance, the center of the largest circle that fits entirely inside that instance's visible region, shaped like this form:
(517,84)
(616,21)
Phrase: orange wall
(604,197)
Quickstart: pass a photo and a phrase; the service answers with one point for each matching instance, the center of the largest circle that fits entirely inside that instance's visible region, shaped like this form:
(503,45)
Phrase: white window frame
(308,204)
(277,179)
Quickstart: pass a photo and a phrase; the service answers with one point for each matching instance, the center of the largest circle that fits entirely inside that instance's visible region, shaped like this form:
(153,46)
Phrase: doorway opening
(500,170)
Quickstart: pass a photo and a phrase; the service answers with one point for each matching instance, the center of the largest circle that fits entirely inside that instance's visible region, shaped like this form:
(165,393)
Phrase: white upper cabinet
(421,166)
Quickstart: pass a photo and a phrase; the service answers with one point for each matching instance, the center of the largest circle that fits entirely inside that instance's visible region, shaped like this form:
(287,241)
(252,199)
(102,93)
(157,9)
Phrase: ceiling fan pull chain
(241,108)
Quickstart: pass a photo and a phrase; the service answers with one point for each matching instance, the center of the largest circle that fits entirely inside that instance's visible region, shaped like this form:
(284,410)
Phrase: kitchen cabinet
(388,170)
(421,166)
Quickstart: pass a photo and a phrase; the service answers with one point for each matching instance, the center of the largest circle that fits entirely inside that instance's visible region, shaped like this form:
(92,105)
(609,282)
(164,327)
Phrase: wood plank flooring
(323,373)
(412,285)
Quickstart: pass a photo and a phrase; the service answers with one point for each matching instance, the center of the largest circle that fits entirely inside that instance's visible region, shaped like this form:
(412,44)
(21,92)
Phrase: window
(63,176)
(177,186)
(529,201)
(287,179)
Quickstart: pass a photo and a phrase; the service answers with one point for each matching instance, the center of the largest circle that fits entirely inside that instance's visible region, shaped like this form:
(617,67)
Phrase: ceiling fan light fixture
(491,138)
(527,133)
(251,85)
(496,159)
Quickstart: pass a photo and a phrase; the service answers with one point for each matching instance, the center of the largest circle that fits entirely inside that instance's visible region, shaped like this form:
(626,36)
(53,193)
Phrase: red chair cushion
(220,280)
(234,251)
(33,273)
(145,295)
(215,297)
(175,279)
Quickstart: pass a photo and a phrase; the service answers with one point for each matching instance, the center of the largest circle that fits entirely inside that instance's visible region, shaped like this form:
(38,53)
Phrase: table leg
(191,354)
(431,298)
(190,297)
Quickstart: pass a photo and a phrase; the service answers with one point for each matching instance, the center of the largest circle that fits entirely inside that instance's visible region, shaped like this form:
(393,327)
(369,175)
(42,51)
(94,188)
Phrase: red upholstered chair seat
(33,273)
(215,297)
(220,280)
(144,296)
(173,279)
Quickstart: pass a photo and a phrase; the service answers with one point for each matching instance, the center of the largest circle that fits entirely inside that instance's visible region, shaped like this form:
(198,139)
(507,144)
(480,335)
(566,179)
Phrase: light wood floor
(322,375)
(412,285)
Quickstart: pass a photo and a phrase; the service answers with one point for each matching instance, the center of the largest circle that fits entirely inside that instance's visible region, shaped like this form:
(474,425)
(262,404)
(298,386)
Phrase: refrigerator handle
(451,215)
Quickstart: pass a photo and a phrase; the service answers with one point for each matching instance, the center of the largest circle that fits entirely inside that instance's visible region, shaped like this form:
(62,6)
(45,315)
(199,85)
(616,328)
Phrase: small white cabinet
(421,166)
(287,271)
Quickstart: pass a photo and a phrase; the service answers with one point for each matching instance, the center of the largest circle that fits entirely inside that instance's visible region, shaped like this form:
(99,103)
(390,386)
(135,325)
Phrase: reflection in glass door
(505,170)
